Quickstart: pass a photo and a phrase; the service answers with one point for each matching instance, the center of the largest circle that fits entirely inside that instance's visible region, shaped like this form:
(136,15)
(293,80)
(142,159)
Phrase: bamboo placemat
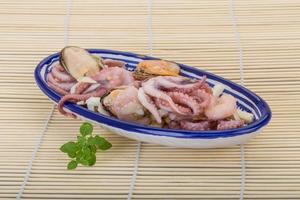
(251,42)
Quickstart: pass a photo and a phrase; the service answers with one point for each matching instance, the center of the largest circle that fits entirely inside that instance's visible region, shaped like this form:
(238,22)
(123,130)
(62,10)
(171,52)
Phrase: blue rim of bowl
(137,128)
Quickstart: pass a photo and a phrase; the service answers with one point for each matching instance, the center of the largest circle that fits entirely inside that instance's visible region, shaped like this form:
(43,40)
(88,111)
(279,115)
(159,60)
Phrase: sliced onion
(93,102)
(102,110)
(92,88)
(218,90)
(247,117)
(236,116)
(81,103)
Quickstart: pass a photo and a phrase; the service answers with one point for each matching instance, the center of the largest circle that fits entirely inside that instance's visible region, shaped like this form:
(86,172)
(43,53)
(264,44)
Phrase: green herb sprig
(83,151)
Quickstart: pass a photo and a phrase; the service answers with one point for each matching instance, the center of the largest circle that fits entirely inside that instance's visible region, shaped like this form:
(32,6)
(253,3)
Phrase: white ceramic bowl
(247,100)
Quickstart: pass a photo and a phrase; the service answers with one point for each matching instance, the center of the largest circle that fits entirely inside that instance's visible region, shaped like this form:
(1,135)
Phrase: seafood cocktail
(154,94)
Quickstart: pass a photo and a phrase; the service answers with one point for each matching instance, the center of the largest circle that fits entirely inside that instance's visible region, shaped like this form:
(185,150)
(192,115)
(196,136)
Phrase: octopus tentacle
(81,87)
(60,75)
(195,126)
(148,104)
(63,85)
(162,104)
(181,84)
(151,89)
(206,88)
(187,100)
(166,106)
(77,97)
(202,97)
(58,89)
(223,125)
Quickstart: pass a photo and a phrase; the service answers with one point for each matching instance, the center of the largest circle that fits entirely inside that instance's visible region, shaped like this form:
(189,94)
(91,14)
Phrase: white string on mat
(43,132)
(243,172)
(238,40)
(138,150)
(135,171)
(150,34)
(67,21)
(241,64)
(34,153)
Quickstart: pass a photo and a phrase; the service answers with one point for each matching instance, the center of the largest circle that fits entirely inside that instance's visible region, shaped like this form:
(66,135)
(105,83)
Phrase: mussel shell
(107,101)
(151,68)
(106,95)
(159,67)
(141,75)
(80,53)
(106,108)
(99,60)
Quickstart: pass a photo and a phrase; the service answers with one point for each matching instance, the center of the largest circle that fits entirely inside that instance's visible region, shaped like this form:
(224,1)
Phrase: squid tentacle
(63,85)
(202,97)
(176,84)
(223,125)
(195,126)
(187,100)
(60,74)
(151,88)
(166,106)
(76,98)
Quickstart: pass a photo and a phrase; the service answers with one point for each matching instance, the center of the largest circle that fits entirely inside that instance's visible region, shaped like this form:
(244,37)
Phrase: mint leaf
(92,160)
(93,148)
(83,161)
(92,141)
(79,155)
(69,147)
(86,129)
(83,151)
(72,154)
(86,151)
(81,140)
(72,164)
(102,143)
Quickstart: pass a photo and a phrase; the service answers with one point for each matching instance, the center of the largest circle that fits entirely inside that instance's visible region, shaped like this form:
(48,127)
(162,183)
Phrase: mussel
(151,68)
(79,62)
(123,103)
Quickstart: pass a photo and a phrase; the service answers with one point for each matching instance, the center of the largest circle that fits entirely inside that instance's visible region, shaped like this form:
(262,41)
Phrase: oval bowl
(246,100)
